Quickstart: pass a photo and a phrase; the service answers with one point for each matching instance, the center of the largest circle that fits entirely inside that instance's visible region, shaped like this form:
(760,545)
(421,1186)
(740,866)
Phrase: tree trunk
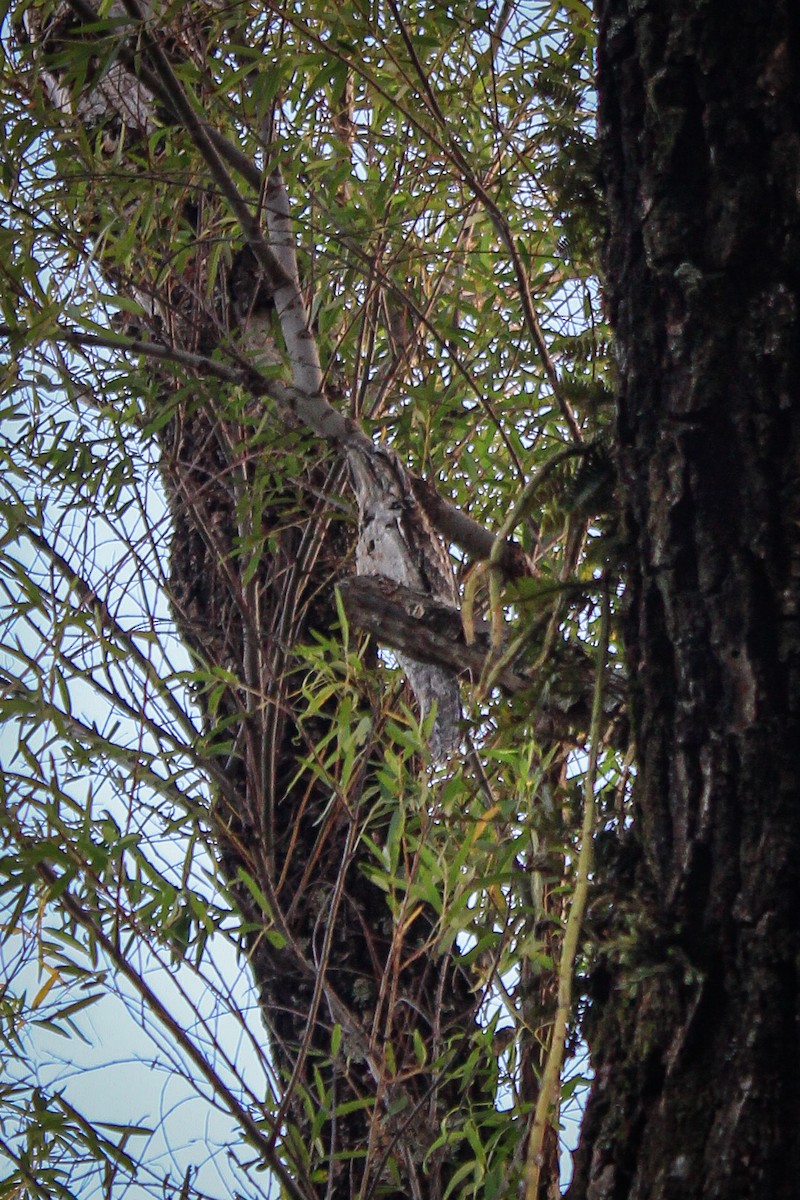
(328,951)
(695,1036)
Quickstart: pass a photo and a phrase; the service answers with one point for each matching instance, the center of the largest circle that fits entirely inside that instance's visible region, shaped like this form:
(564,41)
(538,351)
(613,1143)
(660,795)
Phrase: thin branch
(198,130)
(457,156)
(289,303)
(137,762)
(20,1161)
(251,1128)
(569,949)
(450,149)
(89,598)
(278,260)
(317,415)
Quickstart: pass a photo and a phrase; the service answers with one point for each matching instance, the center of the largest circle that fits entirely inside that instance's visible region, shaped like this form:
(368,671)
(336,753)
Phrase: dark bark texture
(696,1040)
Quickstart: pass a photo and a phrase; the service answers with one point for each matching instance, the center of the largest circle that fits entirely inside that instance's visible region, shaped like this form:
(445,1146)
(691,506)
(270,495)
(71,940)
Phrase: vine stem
(569,949)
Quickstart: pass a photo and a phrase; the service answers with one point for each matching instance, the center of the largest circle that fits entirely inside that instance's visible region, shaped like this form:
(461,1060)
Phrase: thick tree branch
(413,624)
(317,415)
(456,526)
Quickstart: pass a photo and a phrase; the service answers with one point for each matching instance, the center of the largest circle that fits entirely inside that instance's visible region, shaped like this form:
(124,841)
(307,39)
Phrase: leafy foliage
(438,161)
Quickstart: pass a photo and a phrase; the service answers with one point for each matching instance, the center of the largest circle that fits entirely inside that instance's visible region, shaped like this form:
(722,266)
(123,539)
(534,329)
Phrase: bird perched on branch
(396,540)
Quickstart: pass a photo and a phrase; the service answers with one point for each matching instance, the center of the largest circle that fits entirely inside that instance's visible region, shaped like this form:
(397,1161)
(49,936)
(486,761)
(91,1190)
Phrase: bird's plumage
(396,540)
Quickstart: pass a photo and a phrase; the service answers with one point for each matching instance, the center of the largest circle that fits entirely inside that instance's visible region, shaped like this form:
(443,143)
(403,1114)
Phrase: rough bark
(695,1039)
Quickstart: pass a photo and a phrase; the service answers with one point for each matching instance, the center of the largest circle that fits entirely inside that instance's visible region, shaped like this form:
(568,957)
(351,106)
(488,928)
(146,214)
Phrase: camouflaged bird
(397,540)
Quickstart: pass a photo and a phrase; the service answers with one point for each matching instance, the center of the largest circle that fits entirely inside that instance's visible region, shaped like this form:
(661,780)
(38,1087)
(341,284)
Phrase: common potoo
(397,540)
